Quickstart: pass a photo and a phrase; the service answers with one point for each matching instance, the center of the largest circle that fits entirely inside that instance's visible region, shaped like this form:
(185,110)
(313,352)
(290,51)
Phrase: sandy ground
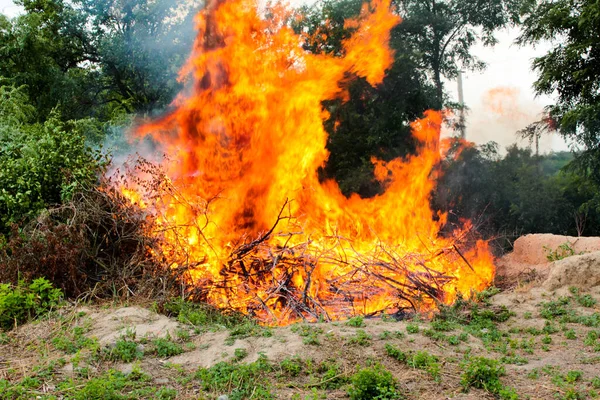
(530,282)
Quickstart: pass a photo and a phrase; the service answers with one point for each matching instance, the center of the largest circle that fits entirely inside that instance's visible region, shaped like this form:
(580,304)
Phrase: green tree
(442,33)
(571,70)
(373,121)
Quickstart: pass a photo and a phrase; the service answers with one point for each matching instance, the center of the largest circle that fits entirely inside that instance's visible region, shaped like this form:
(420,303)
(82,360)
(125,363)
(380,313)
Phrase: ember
(240,201)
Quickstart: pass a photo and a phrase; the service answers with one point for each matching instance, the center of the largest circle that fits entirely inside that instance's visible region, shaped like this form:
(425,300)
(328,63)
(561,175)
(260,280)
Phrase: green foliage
(251,379)
(516,194)
(420,359)
(165,347)
(41,165)
(412,328)
(26,301)
(361,338)
(482,373)
(310,333)
(374,383)
(356,322)
(570,70)
(563,251)
(240,353)
(71,342)
(125,349)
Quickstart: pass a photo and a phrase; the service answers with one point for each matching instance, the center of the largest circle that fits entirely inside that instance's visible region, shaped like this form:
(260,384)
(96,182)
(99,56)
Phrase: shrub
(374,383)
(99,241)
(22,302)
(41,165)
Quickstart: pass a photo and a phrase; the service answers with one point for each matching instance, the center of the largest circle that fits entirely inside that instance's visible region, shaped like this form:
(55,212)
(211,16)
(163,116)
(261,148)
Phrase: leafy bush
(41,165)
(374,383)
(22,302)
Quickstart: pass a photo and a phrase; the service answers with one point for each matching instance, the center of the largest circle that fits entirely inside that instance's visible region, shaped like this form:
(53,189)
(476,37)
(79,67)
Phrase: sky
(500,99)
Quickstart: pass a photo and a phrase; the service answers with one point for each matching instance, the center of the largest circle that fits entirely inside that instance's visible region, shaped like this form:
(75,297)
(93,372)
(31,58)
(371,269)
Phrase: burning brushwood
(237,202)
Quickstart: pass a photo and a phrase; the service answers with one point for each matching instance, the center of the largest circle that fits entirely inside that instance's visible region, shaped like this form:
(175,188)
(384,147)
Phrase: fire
(245,205)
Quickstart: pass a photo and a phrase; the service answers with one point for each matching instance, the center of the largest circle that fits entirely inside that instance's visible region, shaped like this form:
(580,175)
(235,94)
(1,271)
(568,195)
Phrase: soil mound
(532,254)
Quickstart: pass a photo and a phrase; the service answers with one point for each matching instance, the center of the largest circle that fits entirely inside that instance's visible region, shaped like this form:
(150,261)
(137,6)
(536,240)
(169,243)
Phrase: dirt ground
(549,346)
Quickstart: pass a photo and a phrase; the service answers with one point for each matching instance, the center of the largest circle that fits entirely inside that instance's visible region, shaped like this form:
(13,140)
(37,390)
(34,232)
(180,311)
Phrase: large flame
(243,152)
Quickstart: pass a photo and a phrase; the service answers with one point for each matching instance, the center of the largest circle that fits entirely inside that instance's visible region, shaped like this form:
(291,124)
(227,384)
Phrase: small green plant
(563,251)
(586,301)
(240,353)
(547,339)
(508,393)
(71,343)
(309,333)
(482,373)
(23,302)
(251,380)
(291,366)
(356,322)
(165,347)
(420,359)
(573,376)
(361,338)
(570,334)
(374,383)
(412,328)
(125,350)
(595,382)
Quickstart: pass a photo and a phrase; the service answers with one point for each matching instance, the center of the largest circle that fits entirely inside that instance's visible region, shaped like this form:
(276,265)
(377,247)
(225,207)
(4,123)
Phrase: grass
(465,326)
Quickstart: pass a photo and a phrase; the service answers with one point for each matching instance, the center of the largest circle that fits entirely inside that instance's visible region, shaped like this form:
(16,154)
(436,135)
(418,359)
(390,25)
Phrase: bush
(97,241)
(374,383)
(23,302)
(41,165)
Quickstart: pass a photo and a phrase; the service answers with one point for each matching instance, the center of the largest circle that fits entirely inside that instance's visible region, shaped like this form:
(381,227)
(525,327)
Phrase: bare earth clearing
(544,332)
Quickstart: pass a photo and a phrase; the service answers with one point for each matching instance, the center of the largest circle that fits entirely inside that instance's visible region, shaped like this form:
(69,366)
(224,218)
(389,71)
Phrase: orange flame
(244,149)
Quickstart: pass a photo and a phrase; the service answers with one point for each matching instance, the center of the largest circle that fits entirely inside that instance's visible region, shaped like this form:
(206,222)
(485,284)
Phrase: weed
(573,376)
(570,334)
(26,301)
(552,309)
(291,366)
(385,335)
(534,374)
(482,373)
(71,343)
(590,338)
(356,322)
(361,338)
(251,380)
(165,347)
(247,329)
(412,328)
(124,350)
(508,393)
(546,339)
(517,360)
(332,378)
(374,383)
(239,354)
(595,382)
(563,251)
(420,359)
